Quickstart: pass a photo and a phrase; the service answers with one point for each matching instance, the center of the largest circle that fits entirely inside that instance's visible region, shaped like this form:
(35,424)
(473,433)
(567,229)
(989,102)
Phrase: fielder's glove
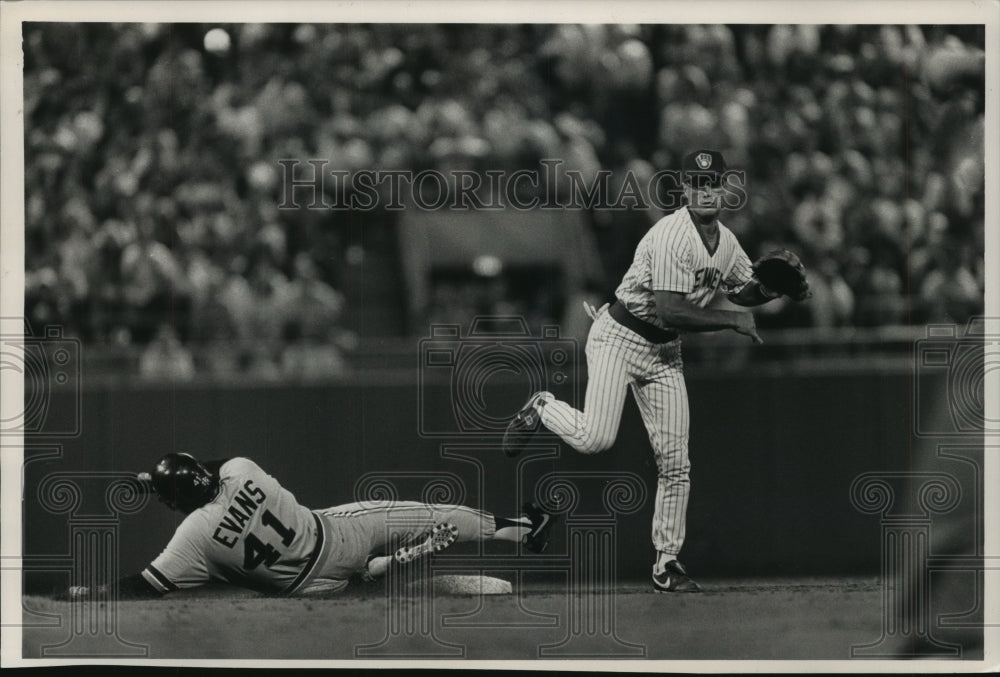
(781,273)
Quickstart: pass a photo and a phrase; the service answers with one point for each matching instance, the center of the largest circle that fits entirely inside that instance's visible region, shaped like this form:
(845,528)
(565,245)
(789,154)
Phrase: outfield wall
(773,455)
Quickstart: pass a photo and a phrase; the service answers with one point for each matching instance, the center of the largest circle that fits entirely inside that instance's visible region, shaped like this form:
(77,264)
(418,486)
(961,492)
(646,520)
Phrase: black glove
(781,272)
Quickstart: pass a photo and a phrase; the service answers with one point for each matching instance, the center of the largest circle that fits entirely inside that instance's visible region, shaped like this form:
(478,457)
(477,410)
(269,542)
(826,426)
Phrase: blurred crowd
(153,183)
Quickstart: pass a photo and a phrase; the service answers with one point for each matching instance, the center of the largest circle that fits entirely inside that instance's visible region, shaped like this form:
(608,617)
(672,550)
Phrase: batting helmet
(183,483)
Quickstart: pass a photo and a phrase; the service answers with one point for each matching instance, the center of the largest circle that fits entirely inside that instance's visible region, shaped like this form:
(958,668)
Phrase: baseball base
(471,585)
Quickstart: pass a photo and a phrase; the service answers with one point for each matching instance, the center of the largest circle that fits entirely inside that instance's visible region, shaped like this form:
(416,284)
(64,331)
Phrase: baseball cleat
(524,424)
(441,536)
(537,539)
(674,578)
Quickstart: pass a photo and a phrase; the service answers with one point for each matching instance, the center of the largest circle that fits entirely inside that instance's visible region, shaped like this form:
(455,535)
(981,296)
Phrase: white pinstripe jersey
(253,534)
(673,257)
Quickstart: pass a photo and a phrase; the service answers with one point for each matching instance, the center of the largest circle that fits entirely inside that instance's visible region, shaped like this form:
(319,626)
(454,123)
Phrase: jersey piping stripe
(485,517)
(313,558)
(388,505)
(352,513)
(157,579)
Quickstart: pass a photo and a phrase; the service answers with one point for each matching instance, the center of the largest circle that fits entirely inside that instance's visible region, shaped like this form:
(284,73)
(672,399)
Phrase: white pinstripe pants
(618,358)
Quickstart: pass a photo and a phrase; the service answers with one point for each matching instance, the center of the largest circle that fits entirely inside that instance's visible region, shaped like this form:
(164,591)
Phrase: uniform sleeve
(741,271)
(239,465)
(137,587)
(182,562)
(671,264)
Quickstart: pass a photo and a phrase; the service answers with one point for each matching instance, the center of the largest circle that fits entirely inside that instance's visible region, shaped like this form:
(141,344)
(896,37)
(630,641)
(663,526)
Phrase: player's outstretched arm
(677,312)
(753,294)
(136,587)
(129,587)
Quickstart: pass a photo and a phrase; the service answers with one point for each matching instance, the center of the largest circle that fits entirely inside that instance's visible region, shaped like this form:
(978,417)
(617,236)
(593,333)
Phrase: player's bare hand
(747,325)
(77,592)
(592,312)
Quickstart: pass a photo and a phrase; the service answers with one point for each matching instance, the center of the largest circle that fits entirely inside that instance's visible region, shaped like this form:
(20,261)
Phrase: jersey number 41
(257,552)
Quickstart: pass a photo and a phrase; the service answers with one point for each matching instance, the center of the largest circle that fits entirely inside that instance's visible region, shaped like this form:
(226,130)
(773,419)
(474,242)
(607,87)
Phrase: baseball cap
(703,163)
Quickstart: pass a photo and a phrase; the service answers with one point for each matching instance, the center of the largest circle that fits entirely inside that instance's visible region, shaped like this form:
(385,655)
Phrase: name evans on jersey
(247,498)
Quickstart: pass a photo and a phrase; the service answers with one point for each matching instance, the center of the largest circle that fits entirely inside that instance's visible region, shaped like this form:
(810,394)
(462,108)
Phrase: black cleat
(541,524)
(524,424)
(674,579)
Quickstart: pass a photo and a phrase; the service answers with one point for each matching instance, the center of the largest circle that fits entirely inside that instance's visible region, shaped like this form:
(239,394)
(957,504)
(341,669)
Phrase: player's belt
(311,567)
(648,331)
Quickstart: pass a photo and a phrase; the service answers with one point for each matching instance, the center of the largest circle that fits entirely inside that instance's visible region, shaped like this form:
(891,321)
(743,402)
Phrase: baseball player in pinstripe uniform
(243,528)
(680,265)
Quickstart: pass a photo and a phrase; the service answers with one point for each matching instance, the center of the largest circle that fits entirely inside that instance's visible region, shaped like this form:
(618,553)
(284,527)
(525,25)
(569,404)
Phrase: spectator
(308,358)
(308,303)
(152,166)
(882,302)
(832,303)
(950,291)
(153,284)
(166,358)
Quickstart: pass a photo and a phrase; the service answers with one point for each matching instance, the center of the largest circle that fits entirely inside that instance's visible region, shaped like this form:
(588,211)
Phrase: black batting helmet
(183,483)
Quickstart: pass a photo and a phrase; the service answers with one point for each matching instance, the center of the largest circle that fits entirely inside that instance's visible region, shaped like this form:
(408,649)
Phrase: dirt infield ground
(763,619)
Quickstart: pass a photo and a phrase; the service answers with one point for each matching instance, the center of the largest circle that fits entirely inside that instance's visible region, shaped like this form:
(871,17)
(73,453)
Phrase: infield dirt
(758,619)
